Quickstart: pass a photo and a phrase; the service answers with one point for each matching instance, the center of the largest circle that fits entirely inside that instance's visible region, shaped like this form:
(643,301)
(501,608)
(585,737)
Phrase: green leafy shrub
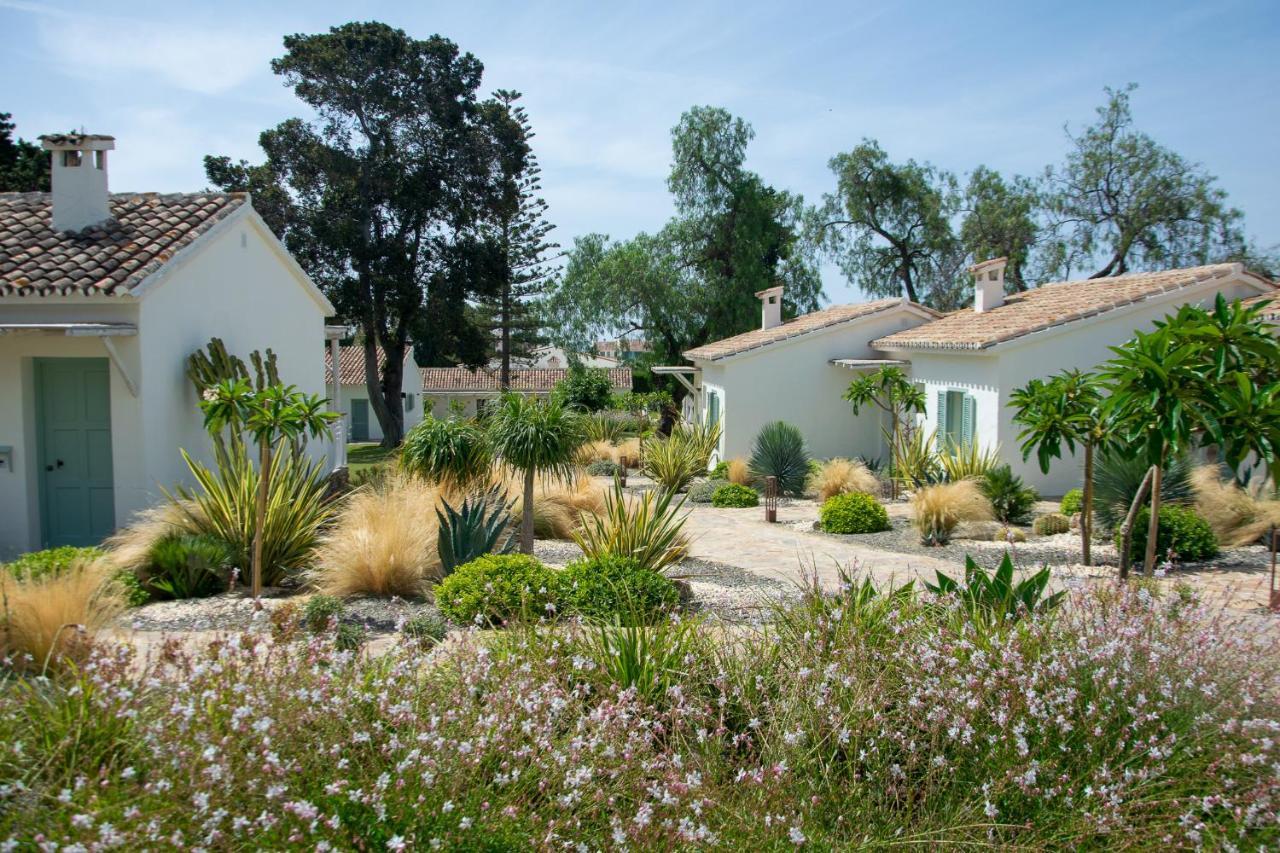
(996,595)
(1182,531)
(734,495)
(349,637)
(585,389)
(187,566)
(1051,524)
(474,529)
(720,471)
(1116,479)
(496,588)
(612,588)
(452,452)
(604,468)
(853,512)
(1072,502)
(51,562)
(702,490)
(320,610)
(1011,498)
(426,629)
(779,451)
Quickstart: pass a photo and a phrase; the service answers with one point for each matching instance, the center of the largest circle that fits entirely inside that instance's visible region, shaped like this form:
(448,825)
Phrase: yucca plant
(473,529)
(1117,477)
(996,595)
(967,461)
(675,460)
(648,528)
(914,460)
(603,427)
(223,505)
(451,452)
(779,451)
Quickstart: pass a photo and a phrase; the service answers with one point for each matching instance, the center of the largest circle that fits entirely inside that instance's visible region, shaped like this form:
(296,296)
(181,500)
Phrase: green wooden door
(73,423)
(359,420)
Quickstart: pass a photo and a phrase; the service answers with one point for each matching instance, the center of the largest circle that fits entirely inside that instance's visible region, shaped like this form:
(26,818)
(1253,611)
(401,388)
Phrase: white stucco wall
(793,381)
(991,375)
(411,383)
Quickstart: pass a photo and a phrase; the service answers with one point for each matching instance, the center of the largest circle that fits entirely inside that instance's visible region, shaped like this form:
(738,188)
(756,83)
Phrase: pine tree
(519,234)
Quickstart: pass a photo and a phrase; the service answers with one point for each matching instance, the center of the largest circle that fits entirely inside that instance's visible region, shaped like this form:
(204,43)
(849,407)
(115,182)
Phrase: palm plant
(647,529)
(779,451)
(892,392)
(452,452)
(534,437)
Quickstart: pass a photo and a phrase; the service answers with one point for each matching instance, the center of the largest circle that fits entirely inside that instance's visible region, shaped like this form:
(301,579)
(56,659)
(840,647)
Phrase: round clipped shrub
(1072,502)
(1182,531)
(1051,524)
(608,586)
(853,512)
(702,490)
(496,588)
(734,495)
(604,468)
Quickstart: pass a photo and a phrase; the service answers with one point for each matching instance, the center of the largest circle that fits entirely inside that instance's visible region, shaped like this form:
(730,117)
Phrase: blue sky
(953,83)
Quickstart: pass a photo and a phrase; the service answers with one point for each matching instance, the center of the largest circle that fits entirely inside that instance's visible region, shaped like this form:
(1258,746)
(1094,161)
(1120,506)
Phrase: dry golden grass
(130,548)
(1236,516)
(557,504)
(938,509)
(597,451)
(627,453)
(738,472)
(53,619)
(839,476)
(383,542)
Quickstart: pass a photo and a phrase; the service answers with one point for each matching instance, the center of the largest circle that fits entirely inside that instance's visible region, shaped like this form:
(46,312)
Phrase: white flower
(796,836)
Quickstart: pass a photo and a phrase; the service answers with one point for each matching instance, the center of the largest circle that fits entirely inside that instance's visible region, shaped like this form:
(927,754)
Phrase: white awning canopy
(868,363)
(100,330)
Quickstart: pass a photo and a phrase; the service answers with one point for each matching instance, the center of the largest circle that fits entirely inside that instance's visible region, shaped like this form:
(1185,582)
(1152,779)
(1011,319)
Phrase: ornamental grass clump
(840,476)
(938,509)
(859,718)
(1237,516)
(50,620)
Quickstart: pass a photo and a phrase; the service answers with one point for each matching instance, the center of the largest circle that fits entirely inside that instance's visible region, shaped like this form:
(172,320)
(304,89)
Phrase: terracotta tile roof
(436,380)
(802,325)
(112,258)
(1272,311)
(351,364)
(1052,305)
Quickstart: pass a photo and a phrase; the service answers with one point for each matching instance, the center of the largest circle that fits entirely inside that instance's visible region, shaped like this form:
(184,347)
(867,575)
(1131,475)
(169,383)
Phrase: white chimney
(770,307)
(988,284)
(80,197)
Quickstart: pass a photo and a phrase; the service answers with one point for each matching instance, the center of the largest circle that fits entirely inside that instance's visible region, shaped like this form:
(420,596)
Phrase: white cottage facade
(358,419)
(102,299)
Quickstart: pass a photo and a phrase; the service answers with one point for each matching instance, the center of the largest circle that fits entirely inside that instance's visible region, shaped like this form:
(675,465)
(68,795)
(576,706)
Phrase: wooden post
(771,500)
(1275,593)
(1126,529)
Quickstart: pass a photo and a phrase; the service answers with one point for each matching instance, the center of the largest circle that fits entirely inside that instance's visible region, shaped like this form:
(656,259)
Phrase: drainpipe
(335,404)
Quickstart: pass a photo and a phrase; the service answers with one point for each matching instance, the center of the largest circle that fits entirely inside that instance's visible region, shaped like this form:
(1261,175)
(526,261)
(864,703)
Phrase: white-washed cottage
(102,299)
(353,398)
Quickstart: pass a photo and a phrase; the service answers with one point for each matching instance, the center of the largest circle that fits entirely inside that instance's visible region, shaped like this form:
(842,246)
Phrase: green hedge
(52,561)
(735,495)
(496,588)
(1072,502)
(1181,530)
(853,512)
(607,586)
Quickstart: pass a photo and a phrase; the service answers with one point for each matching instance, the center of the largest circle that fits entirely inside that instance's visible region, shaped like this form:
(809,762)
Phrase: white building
(557,357)
(969,361)
(360,423)
(102,299)
(449,389)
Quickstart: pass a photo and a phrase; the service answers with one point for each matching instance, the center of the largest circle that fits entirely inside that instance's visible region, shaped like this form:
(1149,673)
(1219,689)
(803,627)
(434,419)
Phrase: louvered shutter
(942,419)
(966,423)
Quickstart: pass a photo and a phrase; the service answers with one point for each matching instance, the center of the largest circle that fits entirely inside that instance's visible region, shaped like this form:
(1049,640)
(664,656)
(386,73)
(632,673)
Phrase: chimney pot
(79,176)
(770,307)
(988,284)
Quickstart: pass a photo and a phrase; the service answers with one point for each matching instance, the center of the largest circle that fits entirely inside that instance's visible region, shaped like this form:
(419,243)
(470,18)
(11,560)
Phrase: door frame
(42,489)
(364,406)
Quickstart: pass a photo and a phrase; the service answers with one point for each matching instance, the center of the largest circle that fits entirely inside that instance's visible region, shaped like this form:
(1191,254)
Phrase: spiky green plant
(473,529)
(534,437)
(604,427)
(452,452)
(186,566)
(779,451)
(996,595)
(1116,479)
(967,461)
(914,460)
(675,460)
(647,528)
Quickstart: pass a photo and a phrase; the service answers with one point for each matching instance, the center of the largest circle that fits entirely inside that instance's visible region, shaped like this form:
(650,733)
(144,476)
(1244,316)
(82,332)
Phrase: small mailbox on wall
(6,458)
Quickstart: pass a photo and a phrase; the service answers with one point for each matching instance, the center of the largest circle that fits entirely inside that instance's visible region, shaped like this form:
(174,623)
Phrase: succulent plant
(1053,523)
(474,529)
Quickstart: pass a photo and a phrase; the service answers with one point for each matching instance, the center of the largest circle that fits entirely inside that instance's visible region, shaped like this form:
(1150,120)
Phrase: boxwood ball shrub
(1182,531)
(497,588)
(608,586)
(1072,502)
(734,495)
(853,512)
(702,491)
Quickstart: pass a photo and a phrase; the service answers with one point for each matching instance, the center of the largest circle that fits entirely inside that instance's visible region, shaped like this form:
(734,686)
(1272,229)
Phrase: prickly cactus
(1048,525)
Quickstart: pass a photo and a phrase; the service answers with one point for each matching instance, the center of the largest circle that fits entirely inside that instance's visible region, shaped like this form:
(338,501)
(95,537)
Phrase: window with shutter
(942,418)
(966,425)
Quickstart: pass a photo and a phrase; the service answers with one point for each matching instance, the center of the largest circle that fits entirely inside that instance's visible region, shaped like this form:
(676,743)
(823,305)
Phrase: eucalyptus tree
(535,437)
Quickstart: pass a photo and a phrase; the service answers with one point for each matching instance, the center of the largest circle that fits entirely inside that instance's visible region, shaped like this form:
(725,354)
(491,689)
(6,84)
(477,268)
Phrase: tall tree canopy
(1123,202)
(695,280)
(518,235)
(383,197)
(24,166)
(999,221)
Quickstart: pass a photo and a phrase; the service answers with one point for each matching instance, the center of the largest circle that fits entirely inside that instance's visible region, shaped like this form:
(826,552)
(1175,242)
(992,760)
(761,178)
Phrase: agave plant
(647,528)
(473,529)
(996,595)
(779,451)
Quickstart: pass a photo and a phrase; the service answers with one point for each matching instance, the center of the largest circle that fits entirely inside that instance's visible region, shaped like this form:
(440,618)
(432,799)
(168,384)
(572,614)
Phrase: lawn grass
(366,455)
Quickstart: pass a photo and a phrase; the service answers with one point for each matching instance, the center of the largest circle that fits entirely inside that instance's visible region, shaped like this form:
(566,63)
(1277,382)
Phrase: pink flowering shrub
(1117,719)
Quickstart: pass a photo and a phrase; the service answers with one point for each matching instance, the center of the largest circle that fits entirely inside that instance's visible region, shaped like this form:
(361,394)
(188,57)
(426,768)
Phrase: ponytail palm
(535,437)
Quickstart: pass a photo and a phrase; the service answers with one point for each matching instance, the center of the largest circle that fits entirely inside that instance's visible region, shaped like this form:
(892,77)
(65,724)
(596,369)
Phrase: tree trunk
(526,514)
(1153,525)
(1086,508)
(260,515)
(1126,529)
(384,387)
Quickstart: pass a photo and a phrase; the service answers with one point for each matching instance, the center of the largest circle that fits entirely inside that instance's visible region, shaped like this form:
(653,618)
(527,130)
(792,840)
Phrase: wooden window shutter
(966,425)
(942,419)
